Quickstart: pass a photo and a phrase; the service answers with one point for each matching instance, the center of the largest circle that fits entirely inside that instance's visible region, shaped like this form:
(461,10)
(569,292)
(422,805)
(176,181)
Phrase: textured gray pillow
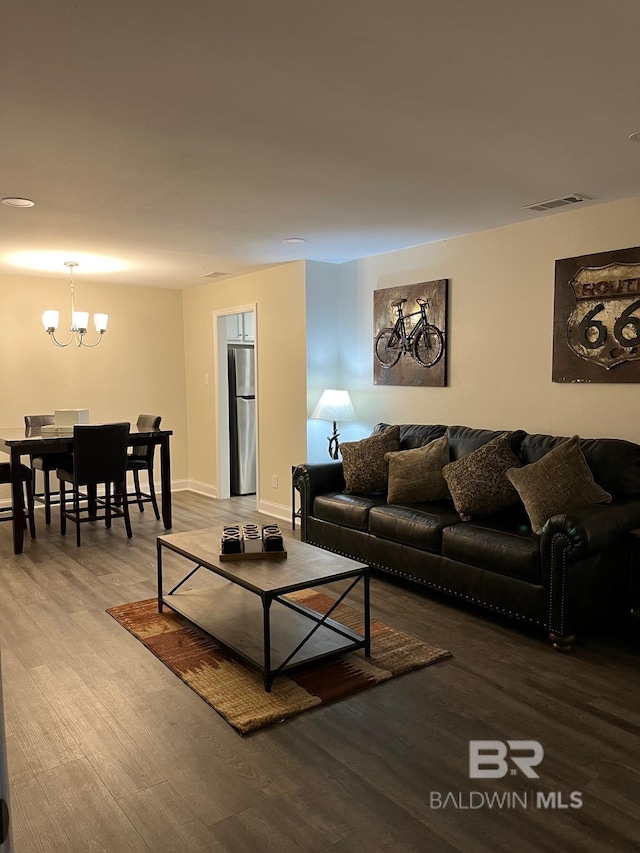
(363,464)
(478,482)
(558,482)
(416,475)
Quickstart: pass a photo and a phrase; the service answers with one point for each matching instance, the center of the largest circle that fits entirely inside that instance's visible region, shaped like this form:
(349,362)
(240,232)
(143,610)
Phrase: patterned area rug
(235,690)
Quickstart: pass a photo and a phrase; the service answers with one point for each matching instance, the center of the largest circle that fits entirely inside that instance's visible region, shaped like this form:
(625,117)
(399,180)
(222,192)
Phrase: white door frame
(220,372)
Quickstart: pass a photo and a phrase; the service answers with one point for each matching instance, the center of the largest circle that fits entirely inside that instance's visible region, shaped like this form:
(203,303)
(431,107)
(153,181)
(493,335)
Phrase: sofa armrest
(316,479)
(572,538)
(591,529)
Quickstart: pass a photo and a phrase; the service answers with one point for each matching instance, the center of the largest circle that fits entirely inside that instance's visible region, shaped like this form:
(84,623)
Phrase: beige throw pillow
(363,464)
(415,475)
(558,482)
(478,482)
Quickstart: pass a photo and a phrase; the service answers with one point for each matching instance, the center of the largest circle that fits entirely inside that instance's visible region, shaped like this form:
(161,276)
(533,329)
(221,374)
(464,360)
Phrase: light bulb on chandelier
(79,319)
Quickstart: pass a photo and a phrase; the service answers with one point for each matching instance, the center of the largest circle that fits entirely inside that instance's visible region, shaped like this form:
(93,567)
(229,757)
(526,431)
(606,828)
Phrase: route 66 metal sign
(596,326)
(604,327)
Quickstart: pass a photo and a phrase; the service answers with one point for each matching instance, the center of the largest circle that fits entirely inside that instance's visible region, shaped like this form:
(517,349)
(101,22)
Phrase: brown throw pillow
(558,482)
(363,464)
(416,475)
(478,482)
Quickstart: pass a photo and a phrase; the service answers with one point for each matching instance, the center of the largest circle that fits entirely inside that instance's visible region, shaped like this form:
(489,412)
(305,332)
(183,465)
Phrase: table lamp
(334,406)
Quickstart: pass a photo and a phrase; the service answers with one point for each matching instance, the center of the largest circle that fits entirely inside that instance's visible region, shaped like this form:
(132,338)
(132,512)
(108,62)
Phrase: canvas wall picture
(596,325)
(410,334)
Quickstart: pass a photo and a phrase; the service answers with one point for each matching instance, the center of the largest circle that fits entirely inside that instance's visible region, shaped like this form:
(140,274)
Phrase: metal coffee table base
(269,631)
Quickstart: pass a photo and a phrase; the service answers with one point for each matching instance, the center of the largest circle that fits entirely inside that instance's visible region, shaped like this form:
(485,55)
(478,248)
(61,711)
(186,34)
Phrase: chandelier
(79,320)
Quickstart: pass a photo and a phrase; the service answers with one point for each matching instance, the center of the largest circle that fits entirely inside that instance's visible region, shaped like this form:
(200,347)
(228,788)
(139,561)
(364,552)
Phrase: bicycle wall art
(409,342)
(596,323)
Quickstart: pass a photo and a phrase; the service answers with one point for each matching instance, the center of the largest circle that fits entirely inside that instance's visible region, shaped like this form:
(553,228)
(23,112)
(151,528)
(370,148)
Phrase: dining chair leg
(136,481)
(76,512)
(47,498)
(107,508)
(23,511)
(63,509)
(92,497)
(31,509)
(122,488)
(152,494)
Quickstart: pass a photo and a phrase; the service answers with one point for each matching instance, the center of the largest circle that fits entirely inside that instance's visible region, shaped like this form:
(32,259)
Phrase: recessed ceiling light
(18,202)
(635,137)
(295,240)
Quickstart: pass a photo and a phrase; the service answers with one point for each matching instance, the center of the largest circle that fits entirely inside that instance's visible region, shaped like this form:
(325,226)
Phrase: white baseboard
(280,511)
(180,486)
(275,510)
(201,488)
(176,486)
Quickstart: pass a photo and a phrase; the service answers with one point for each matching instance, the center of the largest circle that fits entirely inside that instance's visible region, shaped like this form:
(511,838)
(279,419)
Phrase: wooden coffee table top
(305,564)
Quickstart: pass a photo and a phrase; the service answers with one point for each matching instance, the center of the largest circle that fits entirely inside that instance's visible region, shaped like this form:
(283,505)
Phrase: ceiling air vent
(214,274)
(553,203)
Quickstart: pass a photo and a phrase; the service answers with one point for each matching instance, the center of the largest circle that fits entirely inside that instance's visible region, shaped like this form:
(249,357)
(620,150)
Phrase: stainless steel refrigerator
(242,420)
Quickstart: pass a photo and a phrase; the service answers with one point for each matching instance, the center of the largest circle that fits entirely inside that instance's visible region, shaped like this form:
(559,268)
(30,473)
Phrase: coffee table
(242,603)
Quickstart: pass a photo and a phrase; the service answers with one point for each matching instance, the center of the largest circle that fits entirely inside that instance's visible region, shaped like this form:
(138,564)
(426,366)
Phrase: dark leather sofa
(575,574)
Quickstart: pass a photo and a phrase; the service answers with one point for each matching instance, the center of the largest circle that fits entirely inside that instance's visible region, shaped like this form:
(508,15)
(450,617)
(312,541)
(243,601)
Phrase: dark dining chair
(141,459)
(46,462)
(99,459)
(7,512)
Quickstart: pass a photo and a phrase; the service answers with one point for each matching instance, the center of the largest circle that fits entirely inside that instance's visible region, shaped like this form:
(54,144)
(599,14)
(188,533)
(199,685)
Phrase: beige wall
(160,346)
(501,285)
(279,296)
(139,366)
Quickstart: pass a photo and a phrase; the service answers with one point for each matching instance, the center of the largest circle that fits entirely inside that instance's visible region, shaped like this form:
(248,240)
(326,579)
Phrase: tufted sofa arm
(571,538)
(312,480)
(592,529)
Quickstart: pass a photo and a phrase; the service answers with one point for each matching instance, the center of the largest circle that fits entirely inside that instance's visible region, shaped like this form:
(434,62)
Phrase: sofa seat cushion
(347,510)
(504,545)
(417,525)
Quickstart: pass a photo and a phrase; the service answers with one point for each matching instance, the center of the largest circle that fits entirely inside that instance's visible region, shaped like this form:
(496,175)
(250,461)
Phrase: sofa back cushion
(415,435)
(614,463)
(463,440)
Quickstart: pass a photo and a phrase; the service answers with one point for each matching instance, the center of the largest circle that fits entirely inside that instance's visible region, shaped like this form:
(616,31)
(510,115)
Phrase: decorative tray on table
(249,542)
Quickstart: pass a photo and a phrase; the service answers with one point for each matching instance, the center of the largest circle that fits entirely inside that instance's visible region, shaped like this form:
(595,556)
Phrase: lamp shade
(80,320)
(101,321)
(334,406)
(50,319)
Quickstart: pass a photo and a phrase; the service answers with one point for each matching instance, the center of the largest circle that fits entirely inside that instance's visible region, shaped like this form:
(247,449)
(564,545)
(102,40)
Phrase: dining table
(21,441)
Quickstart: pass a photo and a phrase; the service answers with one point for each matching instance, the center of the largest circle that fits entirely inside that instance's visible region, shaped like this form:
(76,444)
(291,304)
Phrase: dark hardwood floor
(108,751)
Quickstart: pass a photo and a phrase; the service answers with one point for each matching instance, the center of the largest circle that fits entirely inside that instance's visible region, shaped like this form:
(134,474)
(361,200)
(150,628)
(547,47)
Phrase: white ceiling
(183,137)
